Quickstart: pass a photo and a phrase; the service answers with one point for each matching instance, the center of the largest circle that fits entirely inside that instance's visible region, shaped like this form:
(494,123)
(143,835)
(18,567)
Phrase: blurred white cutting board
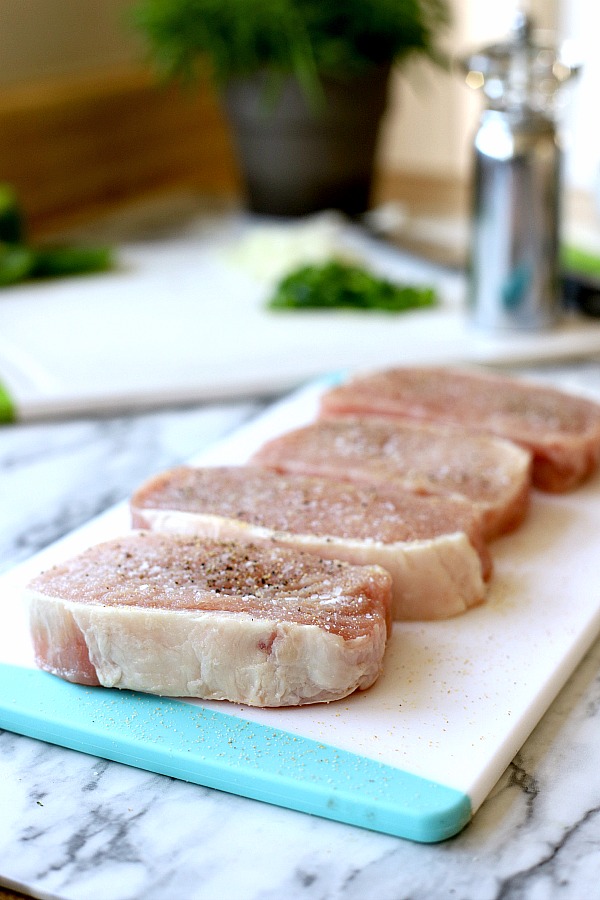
(182,320)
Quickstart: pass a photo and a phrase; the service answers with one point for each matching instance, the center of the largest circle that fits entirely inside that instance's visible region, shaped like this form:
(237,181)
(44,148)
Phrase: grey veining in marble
(80,468)
(78,828)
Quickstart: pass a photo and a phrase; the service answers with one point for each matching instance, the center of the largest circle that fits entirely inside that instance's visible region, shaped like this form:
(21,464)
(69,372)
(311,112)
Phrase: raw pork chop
(190,617)
(492,474)
(561,431)
(433,548)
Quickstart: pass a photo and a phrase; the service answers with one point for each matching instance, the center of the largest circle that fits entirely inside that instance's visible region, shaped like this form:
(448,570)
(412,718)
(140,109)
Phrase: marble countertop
(75,827)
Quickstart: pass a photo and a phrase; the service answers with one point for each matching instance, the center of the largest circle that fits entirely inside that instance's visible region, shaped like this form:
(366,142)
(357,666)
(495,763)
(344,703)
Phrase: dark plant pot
(296,161)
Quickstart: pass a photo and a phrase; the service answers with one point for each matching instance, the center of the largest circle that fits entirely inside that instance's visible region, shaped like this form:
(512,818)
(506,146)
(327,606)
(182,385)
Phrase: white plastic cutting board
(183,320)
(415,755)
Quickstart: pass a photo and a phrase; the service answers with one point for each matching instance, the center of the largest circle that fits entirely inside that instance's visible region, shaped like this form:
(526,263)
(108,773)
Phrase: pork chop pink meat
(491,474)
(562,431)
(432,547)
(192,617)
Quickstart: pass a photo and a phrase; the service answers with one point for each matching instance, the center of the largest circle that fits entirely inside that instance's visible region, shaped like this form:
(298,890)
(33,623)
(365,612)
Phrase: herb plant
(309,39)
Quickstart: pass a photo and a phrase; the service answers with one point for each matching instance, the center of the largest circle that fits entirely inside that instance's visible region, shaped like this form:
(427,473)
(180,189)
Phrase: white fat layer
(431,579)
(211,655)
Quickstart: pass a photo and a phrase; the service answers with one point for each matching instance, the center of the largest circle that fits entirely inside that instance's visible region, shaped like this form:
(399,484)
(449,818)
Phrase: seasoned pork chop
(432,547)
(192,617)
(561,431)
(492,474)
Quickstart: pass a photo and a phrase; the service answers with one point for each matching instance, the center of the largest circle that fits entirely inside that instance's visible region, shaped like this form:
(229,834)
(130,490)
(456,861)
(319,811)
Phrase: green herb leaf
(582,262)
(12,225)
(19,261)
(51,262)
(22,263)
(8,412)
(337,285)
(16,263)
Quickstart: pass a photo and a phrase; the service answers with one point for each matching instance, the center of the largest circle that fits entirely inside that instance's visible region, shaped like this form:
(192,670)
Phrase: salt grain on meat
(433,547)
(191,617)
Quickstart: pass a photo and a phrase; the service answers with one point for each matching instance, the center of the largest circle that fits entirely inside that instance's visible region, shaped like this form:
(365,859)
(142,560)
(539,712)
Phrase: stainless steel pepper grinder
(514,271)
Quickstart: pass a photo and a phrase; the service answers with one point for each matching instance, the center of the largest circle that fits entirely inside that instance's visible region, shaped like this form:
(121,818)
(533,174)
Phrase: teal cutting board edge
(217,750)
